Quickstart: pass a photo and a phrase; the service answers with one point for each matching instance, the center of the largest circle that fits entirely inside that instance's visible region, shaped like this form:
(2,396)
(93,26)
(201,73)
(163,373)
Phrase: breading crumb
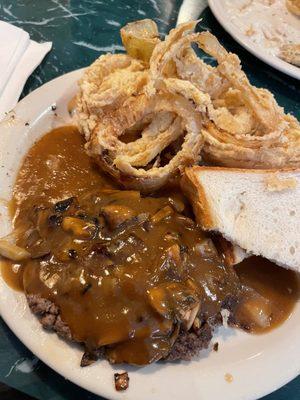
(121,381)
(216,346)
(228,377)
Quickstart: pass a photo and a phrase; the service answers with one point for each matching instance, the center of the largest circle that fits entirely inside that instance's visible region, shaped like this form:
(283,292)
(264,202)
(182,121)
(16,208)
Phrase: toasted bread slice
(258,210)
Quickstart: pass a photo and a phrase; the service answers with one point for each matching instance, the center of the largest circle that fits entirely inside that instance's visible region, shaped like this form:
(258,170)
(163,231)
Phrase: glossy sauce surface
(279,286)
(123,269)
(56,167)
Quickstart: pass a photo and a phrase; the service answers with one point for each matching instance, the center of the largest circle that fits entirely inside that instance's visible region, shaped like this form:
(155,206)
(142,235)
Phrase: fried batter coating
(214,112)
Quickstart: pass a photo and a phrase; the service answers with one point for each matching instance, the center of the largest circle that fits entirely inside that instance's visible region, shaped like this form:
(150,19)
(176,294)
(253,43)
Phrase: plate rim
(216,7)
(109,392)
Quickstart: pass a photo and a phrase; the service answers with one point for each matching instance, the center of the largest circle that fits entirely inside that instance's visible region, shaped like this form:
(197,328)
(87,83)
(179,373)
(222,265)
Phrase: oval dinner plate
(258,364)
(221,13)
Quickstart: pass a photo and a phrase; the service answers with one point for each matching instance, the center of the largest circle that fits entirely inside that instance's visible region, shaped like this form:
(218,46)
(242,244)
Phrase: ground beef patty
(187,345)
(48,315)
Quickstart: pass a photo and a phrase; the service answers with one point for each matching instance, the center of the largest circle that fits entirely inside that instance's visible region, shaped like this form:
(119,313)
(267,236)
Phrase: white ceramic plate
(258,364)
(220,11)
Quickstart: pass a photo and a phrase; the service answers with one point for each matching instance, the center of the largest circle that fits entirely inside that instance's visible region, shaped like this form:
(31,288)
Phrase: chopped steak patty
(48,314)
(187,345)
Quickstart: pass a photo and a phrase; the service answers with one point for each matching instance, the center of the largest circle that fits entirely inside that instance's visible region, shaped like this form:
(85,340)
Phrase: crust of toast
(196,195)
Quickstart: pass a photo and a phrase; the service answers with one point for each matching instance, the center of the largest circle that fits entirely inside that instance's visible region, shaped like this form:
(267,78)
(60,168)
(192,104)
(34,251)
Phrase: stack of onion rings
(215,111)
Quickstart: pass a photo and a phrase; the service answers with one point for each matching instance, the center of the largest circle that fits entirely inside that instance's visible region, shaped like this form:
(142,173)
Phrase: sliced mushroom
(37,246)
(78,227)
(158,298)
(171,236)
(174,300)
(132,223)
(206,248)
(188,316)
(64,205)
(40,249)
(116,214)
(173,261)
(177,203)
(12,251)
(162,214)
(173,254)
(255,312)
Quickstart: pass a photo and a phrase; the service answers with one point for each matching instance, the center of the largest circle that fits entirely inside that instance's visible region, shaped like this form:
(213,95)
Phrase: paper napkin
(19,56)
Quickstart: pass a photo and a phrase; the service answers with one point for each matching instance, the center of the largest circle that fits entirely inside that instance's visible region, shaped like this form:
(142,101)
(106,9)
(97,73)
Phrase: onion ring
(175,115)
(240,116)
(221,148)
(105,85)
(176,50)
(214,111)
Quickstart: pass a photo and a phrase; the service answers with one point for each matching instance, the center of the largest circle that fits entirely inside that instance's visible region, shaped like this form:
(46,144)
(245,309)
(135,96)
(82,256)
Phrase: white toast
(258,210)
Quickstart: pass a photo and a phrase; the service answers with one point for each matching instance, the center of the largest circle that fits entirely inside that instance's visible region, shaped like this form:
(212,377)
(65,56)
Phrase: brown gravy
(278,285)
(12,273)
(98,311)
(56,167)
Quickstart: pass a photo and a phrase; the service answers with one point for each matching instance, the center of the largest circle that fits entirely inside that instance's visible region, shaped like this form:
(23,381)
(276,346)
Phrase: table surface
(81,30)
